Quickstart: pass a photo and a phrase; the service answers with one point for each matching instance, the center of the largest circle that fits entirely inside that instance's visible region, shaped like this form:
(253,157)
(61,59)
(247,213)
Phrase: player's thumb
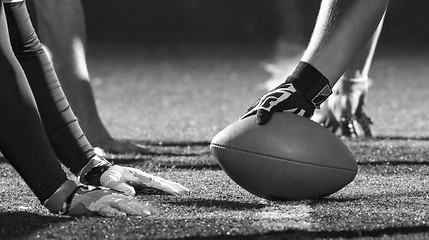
(263,116)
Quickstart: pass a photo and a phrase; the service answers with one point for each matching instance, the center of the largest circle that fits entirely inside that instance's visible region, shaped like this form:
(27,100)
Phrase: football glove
(344,109)
(284,98)
(129,180)
(71,199)
(126,179)
(304,90)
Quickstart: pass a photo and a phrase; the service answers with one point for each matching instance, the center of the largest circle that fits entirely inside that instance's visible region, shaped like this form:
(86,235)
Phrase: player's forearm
(342,29)
(359,67)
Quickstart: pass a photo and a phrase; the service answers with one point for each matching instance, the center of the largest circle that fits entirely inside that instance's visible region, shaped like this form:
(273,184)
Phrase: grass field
(175,100)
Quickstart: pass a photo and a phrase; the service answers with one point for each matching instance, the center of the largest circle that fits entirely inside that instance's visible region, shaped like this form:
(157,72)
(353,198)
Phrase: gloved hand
(88,200)
(325,116)
(129,180)
(74,200)
(100,172)
(304,90)
(344,109)
(284,98)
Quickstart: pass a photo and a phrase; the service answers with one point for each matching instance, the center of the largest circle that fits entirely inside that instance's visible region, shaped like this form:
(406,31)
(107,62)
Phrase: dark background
(234,21)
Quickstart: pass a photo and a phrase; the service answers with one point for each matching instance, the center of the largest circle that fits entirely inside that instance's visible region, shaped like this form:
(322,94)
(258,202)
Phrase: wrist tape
(311,83)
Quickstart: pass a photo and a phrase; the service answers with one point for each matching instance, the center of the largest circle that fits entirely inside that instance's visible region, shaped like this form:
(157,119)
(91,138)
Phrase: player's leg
(353,91)
(344,109)
(61,126)
(23,140)
(61,25)
(342,29)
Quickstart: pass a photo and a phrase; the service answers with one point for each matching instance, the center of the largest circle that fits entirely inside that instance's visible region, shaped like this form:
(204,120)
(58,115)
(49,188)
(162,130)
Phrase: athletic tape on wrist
(310,82)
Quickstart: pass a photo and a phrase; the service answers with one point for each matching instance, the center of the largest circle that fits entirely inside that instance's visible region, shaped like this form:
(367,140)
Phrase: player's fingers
(123,174)
(117,177)
(321,115)
(169,186)
(108,211)
(148,180)
(134,207)
(263,116)
(121,187)
(139,178)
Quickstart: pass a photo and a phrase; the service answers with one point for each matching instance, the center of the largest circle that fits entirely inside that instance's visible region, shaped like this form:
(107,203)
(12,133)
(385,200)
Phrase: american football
(289,158)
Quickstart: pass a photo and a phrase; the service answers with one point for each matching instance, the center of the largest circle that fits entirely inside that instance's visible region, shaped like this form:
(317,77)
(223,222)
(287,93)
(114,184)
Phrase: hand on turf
(325,115)
(344,109)
(129,180)
(89,200)
(284,98)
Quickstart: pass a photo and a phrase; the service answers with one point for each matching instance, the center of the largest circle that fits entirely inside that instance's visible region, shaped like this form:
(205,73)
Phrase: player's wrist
(57,203)
(311,83)
(95,168)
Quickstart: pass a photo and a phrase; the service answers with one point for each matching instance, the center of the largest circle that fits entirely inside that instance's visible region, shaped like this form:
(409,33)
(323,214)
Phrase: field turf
(174,100)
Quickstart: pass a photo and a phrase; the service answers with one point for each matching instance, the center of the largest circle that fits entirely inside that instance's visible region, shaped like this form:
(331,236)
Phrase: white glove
(99,172)
(344,109)
(90,200)
(129,180)
(82,200)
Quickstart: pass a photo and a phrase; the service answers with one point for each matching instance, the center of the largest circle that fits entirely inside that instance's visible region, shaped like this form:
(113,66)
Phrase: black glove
(301,94)
(284,98)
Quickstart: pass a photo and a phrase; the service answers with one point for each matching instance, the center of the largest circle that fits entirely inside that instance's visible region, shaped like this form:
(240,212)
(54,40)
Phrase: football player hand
(129,180)
(344,109)
(284,98)
(89,200)
(325,115)
(81,200)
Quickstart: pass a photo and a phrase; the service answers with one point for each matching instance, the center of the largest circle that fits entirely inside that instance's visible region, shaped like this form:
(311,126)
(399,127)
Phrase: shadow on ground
(23,224)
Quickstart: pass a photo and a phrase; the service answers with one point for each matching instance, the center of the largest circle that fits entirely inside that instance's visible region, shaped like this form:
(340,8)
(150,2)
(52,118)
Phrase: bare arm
(342,29)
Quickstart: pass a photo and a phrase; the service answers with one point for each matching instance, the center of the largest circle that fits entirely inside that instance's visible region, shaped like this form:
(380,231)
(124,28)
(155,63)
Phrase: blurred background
(234,21)
(182,70)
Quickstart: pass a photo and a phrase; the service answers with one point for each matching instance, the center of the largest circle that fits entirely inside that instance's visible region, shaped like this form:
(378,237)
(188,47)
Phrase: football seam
(278,158)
